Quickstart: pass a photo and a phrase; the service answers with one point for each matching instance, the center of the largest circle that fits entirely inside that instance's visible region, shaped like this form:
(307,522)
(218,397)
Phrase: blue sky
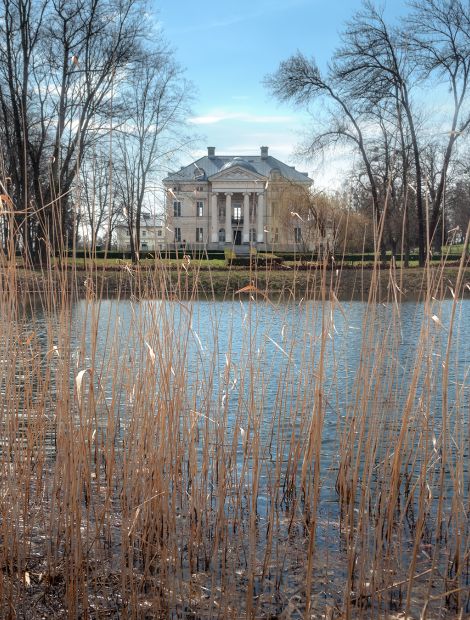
(227,48)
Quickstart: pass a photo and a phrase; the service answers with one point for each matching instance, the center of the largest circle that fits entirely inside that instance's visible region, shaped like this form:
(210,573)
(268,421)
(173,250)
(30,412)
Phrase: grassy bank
(177,278)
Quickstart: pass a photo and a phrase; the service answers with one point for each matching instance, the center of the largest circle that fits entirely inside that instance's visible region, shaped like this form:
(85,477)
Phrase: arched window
(252,235)
(222,235)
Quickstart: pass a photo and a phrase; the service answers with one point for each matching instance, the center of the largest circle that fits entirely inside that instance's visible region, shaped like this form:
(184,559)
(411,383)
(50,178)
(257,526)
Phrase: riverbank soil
(191,280)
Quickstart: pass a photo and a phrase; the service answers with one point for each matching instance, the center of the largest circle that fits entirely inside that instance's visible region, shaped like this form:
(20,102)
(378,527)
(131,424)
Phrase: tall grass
(169,454)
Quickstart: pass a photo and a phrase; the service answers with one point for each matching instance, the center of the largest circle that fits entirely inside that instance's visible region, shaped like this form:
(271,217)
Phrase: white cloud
(244,117)
(242,16)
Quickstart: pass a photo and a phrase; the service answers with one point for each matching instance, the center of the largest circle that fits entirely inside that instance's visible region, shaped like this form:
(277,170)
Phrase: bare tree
(158,98)
(457,199)
(98,209)
(438,32)
(377,69)
(325,222)
(299,80)
(21,24)
(90,45)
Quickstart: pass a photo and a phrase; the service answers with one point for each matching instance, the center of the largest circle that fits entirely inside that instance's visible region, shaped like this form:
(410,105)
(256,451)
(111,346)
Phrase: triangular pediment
(236,173)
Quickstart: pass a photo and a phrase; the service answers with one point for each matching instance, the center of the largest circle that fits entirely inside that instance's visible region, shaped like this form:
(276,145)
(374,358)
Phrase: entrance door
(237,237)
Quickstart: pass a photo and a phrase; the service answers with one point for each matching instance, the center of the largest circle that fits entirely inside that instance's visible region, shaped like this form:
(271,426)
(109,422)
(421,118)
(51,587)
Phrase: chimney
(264,152)
(211,151)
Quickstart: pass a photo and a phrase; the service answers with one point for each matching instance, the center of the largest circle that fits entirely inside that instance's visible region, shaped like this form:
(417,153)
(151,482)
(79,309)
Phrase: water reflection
(234,355)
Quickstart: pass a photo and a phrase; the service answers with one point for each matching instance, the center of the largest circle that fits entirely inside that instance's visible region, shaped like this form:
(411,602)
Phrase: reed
(170,454)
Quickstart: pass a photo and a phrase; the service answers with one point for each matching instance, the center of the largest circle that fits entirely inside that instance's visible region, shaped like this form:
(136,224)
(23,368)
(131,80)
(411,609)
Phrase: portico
(237,198)
(237,217)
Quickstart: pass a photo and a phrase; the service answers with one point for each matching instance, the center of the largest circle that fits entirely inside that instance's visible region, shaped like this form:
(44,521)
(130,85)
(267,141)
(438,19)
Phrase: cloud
(241,17)
(215,24)
(244,117)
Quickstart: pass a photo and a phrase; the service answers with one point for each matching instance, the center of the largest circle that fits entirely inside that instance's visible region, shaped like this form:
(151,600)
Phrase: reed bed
(168,454)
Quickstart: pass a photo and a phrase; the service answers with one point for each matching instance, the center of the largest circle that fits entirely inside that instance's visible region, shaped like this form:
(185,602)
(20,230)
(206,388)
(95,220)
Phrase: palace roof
(206,167)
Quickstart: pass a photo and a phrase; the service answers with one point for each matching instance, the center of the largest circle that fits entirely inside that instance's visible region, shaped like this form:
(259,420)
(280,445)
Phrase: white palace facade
(246,201)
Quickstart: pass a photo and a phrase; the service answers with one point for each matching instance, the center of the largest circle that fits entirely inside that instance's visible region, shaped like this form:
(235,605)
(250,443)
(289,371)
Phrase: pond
(301,456)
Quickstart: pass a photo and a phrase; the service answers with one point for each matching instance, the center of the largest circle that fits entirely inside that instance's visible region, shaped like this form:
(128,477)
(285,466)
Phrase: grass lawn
(452,249)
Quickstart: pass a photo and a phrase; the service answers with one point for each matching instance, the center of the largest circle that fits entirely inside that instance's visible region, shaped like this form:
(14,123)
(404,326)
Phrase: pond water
(245,344)
(306,404)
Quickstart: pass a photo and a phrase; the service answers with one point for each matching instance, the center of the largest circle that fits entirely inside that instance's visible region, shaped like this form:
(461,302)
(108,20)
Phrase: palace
(245,201)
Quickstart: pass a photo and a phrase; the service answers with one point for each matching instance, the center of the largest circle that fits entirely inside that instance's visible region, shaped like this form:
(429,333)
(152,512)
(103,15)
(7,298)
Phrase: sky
(227,49)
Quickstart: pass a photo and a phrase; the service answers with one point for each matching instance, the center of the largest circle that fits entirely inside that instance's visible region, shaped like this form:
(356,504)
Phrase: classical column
(228,218)
(260,219)
(214,219)
(246,218)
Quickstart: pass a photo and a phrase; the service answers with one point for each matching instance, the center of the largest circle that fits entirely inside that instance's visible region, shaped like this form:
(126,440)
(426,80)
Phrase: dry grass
(167,456)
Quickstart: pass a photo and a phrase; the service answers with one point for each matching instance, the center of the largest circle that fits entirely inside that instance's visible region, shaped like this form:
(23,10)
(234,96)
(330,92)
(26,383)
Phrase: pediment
(236,173)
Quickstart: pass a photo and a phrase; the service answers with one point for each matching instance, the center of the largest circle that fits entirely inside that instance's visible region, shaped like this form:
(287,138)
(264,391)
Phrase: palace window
(159,233)
(199,208)
(176,208)
(297,235)
(237,213)
(177,235)
(252,235)
(221,235)
(199,235)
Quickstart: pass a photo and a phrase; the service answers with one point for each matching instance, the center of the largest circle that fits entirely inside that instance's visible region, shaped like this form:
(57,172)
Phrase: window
(221,235)
(199,188)
(297,235)
(252,235)
(199,208)
(276,236)
(159,233)
(144,246)
(176,208)
(177,235)
(199,235)
(144,233)
(221,210)
(237,213)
